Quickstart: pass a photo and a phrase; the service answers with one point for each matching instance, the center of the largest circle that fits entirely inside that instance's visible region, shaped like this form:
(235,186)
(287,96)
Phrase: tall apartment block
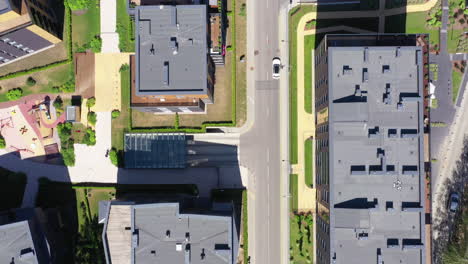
(370,112)
(28,27)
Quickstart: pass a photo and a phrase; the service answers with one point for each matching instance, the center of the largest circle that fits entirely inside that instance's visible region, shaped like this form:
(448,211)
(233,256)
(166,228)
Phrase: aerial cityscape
(233,131)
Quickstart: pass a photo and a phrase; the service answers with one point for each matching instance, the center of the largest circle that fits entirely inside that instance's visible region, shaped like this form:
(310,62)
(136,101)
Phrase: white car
(276,68)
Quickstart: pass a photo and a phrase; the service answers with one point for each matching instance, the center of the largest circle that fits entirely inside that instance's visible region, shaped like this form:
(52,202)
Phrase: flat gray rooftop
(376,148)
(19,43)
(166,236)
(171,50)
(4,6)
(16,243)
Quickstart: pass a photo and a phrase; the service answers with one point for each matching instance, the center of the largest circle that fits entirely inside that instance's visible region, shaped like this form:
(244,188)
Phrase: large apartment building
(28,27)
(369,101)
(171,70)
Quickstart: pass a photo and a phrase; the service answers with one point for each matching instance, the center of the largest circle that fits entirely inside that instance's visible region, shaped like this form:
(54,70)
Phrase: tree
(92,118)
(14,94)
(124,67)
(30,81)
(114,158)
(58,103)
(2,142)
(90,137)
(115,114)
(78,4)
(91,102)
(96,44)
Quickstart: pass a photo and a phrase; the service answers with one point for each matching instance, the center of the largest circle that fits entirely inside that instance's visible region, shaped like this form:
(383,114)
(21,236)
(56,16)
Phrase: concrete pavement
(110,39)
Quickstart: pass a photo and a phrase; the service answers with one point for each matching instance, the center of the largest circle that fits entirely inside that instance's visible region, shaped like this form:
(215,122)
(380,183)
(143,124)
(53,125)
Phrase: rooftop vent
(174,46)
(365,75)
(412,244)
(392,243)
(166,73)
(152,50)
(187,236)
(398,52)
(385,68)
(135,239)
(366,54)
(379,256)
(363,236)
(358,169)
(389,206)
(347,70)
(178,247)
(373,132)
(168,233)
(26,254)
(202,255)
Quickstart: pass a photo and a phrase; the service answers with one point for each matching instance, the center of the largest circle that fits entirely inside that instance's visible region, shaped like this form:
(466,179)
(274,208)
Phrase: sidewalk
(110,39)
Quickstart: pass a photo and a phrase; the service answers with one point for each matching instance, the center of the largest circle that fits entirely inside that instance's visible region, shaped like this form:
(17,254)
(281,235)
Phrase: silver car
(454,201)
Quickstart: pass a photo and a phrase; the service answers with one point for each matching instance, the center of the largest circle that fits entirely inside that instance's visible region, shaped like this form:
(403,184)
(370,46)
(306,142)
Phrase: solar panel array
(155,151)
(19,43)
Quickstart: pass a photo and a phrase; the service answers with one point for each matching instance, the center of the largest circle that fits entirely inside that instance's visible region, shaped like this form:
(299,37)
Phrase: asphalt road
(261,151)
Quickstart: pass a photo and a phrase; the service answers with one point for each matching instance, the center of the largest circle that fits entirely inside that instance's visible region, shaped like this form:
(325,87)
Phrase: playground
(29,129)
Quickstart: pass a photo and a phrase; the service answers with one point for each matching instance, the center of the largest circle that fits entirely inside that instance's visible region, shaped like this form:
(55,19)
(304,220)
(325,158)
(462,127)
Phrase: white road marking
(268,155)
(268,112)
(267,39)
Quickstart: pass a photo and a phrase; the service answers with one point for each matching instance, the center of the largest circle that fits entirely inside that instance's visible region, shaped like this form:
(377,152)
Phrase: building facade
(370,112)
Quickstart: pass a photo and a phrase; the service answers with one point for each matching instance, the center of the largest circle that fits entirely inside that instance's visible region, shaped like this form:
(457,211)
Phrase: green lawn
(12,192)
(309,162)
(456,82)
(301,248)
(411,23)
(309,45)
(245,230)
(454,36)
(294,16)
(86,26)
(122,123)
(90,197)
(293,192)
(125,28)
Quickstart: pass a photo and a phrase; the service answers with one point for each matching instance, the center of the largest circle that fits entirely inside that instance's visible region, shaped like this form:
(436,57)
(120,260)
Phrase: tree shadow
(445,219)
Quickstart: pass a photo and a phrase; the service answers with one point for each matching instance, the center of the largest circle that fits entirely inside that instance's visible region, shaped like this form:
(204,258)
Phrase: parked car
(276,68)
(454,201)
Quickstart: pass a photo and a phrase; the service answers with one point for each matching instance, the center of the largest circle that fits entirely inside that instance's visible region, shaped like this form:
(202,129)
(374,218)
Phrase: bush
(68,155)
(114,157)
(242,11)
(90,137)
(124,67)
(64,131)
(68,87)
(96,44)
(92,118)
(2,142)
(115,114)
(78,4)
(58,103)
(30,81)
(91,102)
(14,94)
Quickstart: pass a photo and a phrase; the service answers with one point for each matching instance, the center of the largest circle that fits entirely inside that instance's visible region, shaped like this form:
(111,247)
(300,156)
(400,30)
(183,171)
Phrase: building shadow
(49,189)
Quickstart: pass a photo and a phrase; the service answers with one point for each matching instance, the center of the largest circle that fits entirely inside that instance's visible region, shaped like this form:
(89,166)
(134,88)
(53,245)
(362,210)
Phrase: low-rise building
(161,233)
(171,70)
(28,27)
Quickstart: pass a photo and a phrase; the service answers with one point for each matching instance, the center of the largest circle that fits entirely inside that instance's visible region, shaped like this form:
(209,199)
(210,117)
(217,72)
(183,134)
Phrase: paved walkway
(306,121)
(107,80)
(110,39)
